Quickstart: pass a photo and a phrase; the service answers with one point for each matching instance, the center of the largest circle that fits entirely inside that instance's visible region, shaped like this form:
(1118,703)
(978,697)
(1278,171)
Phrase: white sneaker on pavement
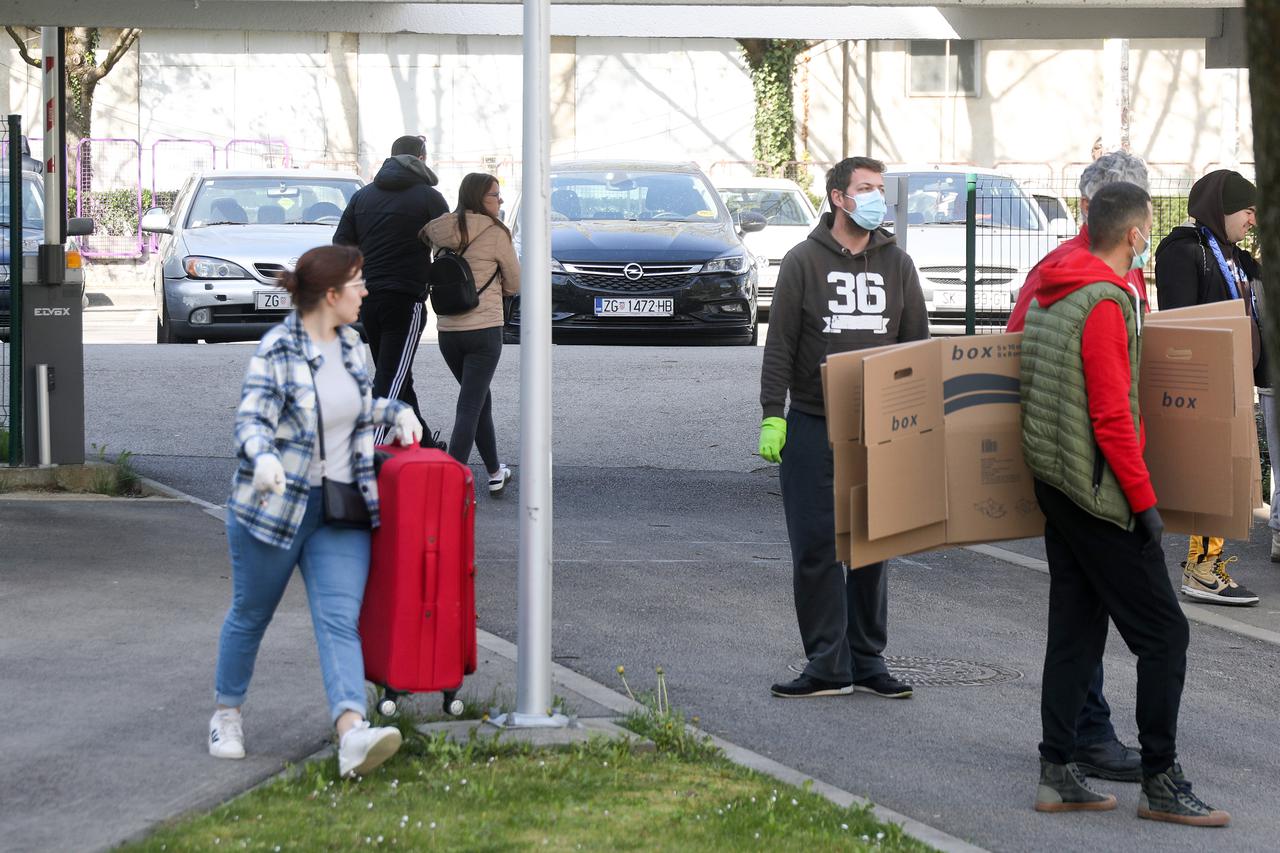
(498,481)
(226,734)
(363,748)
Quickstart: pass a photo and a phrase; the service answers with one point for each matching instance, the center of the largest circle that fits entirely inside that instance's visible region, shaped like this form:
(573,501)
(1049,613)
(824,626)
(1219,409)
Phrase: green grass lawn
(488,795)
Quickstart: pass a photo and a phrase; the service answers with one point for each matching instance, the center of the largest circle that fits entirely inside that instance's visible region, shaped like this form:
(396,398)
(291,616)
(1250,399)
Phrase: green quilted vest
(1057,434)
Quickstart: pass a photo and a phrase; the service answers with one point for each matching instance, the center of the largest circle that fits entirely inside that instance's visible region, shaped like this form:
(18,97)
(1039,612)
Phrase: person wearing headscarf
(1199,263)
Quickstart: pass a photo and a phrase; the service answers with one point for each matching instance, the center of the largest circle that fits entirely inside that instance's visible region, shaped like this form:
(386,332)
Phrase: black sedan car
(645,252)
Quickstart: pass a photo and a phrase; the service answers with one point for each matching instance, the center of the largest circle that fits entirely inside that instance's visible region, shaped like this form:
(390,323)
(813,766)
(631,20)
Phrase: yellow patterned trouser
(1208,547)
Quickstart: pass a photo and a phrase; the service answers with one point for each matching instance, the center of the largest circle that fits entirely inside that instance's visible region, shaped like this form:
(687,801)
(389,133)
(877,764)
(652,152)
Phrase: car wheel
(164,327)
(755,334)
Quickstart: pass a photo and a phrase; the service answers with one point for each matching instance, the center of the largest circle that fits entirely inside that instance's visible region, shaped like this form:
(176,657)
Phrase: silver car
(229,236)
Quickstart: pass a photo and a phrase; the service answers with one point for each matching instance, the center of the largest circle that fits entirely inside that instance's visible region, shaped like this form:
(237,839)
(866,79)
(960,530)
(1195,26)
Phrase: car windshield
(634,196)
(32,203)
(270,201)
(939,198)
(778,206)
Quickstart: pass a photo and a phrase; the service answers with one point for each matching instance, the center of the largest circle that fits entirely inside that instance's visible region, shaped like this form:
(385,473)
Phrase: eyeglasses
(498,196)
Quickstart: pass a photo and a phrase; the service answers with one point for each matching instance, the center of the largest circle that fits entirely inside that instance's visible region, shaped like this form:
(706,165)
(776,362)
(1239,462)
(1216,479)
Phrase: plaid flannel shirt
(277,414)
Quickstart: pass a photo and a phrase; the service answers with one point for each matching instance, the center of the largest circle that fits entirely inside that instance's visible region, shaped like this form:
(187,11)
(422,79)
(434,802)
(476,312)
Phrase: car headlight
(199,267)
(556,266)
(730,263)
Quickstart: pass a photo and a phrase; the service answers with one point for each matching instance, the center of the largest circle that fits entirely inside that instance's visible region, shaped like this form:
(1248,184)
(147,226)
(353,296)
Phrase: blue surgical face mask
(1141,259)
(869,209)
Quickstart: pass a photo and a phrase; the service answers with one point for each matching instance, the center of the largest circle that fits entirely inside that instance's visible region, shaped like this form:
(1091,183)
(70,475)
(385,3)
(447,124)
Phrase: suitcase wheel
(452,704)
(387,706)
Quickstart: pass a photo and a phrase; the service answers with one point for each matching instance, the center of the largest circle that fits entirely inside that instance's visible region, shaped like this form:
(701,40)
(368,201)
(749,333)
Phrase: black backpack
(452,286)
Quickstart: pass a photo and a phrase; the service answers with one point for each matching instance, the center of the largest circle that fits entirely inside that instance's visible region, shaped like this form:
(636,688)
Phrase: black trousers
(1098,570)
(393,326)
(843,615)
(472,357)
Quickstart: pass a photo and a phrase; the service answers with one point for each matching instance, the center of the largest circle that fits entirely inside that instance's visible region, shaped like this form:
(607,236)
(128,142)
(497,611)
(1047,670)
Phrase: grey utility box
(53,335)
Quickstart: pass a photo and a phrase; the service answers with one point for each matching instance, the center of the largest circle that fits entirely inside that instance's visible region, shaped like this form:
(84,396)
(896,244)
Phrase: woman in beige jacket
(471,343)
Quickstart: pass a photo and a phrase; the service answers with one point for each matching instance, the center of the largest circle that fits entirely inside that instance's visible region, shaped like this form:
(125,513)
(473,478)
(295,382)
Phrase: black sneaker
(1167,797)
(1063,788)
(432,441)
(1109,760)
(883,684)
(806,686)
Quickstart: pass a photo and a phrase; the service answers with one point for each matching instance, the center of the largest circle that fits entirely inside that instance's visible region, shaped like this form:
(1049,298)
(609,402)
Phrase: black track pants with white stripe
(393,325)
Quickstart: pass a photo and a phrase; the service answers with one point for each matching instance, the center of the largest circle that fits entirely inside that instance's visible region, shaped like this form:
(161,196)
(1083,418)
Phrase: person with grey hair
(1112,167)
(1098,751)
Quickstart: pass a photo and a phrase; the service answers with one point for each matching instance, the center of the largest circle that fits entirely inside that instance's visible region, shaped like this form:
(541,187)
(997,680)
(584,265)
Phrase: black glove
(1151,525)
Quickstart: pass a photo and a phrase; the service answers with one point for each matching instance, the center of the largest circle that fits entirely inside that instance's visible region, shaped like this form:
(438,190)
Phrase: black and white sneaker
(498,481)
(883,684)
(807,686)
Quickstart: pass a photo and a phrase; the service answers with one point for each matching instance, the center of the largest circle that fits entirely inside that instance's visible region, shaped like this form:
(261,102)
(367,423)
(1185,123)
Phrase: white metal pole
(533,657)
(53,158)
(43,427)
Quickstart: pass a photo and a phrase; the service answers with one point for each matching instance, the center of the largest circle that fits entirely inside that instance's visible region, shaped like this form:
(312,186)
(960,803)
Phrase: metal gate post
(15,291)
(971,254)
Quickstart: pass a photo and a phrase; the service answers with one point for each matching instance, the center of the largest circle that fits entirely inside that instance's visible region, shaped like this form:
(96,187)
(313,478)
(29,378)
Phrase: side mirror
(1061,228)
(79,226)
(749,222)
(156,221)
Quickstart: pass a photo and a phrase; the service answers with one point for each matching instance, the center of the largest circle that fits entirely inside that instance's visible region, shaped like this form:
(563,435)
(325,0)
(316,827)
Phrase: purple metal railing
(118,230)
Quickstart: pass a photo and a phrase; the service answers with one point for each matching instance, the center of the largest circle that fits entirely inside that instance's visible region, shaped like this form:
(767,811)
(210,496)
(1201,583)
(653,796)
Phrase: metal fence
(109,191)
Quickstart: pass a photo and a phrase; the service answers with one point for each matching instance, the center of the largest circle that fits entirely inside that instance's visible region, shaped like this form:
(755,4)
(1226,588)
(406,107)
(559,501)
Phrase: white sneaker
(363,748)
(498,481)
(226,734)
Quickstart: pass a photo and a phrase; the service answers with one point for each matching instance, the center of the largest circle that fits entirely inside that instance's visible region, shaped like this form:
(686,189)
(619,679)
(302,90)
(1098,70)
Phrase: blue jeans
(335,566)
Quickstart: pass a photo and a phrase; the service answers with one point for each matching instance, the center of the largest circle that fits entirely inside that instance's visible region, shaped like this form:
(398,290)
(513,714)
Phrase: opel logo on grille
(633,272)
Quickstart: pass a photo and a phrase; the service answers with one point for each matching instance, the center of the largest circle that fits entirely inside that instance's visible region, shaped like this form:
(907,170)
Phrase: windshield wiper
(223,222)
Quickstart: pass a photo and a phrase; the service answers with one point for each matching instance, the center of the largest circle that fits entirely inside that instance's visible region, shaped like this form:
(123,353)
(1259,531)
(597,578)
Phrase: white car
(1013,234)
(789,213)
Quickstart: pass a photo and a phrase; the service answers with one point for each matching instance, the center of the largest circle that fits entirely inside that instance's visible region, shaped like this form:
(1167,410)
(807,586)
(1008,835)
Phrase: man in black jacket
(1195,265)
(847,287)
(383,220)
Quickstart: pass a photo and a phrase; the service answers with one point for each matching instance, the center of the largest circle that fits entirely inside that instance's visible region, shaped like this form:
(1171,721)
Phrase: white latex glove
(268,474)
(408,427)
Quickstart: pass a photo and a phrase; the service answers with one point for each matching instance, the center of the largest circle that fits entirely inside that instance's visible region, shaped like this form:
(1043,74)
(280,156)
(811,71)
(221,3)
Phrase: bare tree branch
(22,47)
(127,38)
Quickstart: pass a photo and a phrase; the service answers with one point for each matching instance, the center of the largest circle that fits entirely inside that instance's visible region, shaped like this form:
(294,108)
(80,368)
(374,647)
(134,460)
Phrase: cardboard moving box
(1196,395)
(932,431)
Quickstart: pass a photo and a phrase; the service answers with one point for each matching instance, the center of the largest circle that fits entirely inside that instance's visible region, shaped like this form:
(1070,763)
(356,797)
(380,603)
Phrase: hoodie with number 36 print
(830,300)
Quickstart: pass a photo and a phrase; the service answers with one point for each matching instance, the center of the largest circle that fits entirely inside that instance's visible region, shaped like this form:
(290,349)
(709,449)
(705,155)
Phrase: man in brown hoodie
(847,287)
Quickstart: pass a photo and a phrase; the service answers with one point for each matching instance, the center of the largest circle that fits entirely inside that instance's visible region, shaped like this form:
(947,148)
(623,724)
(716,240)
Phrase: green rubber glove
(773,435)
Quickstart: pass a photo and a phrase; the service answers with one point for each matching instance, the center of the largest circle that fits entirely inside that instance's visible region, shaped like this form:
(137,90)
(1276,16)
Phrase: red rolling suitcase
(418,622)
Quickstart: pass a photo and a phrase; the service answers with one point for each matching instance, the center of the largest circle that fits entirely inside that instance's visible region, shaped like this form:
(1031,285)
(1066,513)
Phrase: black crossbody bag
(344,506)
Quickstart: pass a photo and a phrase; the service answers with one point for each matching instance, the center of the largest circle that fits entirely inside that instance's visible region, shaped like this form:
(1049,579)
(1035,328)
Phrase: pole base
(530,721)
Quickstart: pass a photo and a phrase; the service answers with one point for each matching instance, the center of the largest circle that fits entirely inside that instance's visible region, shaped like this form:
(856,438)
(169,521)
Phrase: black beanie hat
(1237,193)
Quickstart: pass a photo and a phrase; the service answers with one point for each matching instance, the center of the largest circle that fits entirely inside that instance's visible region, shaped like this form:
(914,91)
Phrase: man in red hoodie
(1082,438)
(1099,751)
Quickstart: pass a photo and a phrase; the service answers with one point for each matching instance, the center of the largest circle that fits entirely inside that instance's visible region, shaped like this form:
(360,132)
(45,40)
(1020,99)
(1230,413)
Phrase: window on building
(943,68)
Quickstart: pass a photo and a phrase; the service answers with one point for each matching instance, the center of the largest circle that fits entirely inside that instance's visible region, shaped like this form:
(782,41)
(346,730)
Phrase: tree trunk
(1262,28)
(772,63)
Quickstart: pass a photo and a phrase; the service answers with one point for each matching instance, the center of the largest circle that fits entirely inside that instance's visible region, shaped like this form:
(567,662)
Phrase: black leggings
(473,356)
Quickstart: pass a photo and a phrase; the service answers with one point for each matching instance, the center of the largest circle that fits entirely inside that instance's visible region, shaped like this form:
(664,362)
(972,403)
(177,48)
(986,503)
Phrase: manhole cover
(929,672)
(949,673)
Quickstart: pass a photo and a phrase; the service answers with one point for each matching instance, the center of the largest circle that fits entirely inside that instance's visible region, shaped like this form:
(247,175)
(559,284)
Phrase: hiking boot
(1275,547)
(1063,788)
(1109,760)
(883,684)
(1205,581)
(1167,797)
(807,686)
(498,481)
(363,748)
(226,734)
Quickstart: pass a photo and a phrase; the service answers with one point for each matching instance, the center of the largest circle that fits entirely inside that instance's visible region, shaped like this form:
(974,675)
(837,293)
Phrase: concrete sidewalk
(109,616)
